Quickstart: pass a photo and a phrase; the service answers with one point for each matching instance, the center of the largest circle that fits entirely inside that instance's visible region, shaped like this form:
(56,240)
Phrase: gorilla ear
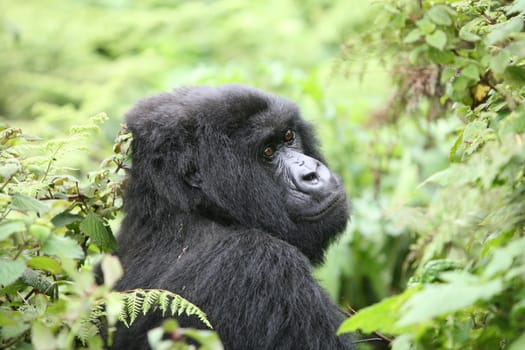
(193,179)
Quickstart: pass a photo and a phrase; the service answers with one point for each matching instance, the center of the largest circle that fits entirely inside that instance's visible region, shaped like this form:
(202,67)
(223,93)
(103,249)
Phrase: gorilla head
(236,156)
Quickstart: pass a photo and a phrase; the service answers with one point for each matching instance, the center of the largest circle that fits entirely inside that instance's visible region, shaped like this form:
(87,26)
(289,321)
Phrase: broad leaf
(441,299)
(94,227)
(10,270)
(438,39)
(440,15)
(382,316)
(26,203)
(7,228)
(45,263)
(63,247)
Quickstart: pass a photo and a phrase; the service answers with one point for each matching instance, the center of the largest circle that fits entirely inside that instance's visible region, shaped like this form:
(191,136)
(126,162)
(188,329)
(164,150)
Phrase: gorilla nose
(311,176)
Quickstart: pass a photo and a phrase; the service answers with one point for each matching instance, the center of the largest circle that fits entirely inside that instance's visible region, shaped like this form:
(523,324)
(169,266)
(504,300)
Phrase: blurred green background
(64,61)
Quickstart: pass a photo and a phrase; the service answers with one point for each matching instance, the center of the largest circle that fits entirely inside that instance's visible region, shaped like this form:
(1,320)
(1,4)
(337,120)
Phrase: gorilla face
(241,157)
(312,190)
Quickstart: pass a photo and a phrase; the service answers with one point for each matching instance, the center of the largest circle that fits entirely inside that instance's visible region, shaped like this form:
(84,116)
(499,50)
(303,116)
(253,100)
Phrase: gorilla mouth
(324,208)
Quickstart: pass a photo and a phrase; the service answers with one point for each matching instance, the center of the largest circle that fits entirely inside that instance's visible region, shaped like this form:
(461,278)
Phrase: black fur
(209,218)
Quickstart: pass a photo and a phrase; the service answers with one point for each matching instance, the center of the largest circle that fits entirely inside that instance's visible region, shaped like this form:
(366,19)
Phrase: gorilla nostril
(311,177)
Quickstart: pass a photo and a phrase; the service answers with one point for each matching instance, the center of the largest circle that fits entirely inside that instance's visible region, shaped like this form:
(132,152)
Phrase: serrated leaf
(382,316)
(7,228)
(45,263)
(439,15)
(94,227)
(10,270)
(438,39)
(26,203)
(62,247)
(437,300)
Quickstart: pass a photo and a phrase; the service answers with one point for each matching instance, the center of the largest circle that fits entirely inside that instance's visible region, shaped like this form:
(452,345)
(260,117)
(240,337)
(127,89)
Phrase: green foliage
(455,60)
(140,301)
(53,228)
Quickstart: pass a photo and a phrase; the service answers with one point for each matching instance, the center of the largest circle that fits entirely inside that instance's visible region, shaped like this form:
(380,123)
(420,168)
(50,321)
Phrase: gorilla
(229,204)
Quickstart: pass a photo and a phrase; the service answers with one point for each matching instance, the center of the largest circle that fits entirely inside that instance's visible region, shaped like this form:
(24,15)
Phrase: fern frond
(133,304)
(150,300)
(138,301)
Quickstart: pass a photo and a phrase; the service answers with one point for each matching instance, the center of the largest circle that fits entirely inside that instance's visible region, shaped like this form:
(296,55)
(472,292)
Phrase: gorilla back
(229,204)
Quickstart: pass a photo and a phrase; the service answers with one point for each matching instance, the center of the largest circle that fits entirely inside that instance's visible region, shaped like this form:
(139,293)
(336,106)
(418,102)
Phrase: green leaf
(8,170)
(440,57)
(111,269)
(502,258)
(471,71)
(62,247)
(45,263)
(26,203)
(502,31)
(10,270)
(438,39)
(65,218)
(440,15)
(466,35)
(441,299)
(515,75)
(499,62)
(7,228)
(42,338)
(425,26)
(518,344)
(382,316)
(517,7)
(413,36)
(94,227)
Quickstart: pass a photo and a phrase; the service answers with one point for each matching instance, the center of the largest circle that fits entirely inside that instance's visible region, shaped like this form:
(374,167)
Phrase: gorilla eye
(288,136)
(268,152)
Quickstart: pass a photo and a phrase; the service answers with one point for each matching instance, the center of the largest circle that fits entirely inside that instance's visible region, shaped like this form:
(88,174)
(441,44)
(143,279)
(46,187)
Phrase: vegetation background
(419,105)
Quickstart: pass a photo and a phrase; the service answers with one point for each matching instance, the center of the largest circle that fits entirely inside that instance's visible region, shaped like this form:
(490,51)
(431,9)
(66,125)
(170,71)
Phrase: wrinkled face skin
(313,191)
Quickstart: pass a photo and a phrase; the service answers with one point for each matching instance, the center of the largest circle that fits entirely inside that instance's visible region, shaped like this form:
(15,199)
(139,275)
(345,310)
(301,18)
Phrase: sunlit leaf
(413,36)
(438,39)
(502,31)
(10,270)
(382,316)
(25,203)
(439,15)
(62,247)
(112,270)
(441,299)
(45,263)
(7,228)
